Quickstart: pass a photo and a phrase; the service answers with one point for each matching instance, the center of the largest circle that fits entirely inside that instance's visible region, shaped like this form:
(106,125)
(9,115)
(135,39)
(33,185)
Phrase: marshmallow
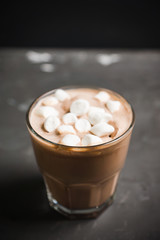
(97,116)
(61,95)
(96,109)
(113,106)
(51,123)
(46,111)
(69,118)
(49,101)
(83,125)
(70,140)
(107,117)
(65,129)
(101,129)
(79,107)
(90,139)
(102,96)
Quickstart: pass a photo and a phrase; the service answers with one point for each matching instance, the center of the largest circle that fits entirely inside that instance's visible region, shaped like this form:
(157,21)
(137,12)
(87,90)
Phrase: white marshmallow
(61,95)
(70,140)
(102,96)
(79,107)
(69,118)
(90,139)
(46,111)
(51,123)
(113,106)
(50,101)
(96,109)
(101,129)
(107,117)
(97,116)
(83,125)
(66,129)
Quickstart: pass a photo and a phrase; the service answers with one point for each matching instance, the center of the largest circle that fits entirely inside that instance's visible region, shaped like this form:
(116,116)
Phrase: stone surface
(24,212)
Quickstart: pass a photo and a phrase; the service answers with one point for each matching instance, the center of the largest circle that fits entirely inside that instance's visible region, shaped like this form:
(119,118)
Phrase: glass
(80,181)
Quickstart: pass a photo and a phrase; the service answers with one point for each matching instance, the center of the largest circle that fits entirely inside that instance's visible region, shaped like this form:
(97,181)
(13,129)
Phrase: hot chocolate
(80,137)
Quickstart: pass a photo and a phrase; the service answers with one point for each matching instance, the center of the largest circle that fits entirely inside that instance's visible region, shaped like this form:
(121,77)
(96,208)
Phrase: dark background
(81,24)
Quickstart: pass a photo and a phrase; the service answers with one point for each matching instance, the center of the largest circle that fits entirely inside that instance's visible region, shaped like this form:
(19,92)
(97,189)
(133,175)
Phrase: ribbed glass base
(80,213)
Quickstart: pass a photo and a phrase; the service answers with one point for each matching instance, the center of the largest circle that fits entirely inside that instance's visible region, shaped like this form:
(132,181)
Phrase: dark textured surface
(24,210)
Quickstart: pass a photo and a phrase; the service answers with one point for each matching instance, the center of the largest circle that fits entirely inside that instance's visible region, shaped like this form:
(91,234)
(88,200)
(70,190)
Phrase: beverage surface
(81,117)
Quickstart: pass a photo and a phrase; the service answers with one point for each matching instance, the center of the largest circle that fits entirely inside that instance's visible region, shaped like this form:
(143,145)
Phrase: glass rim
(78,147)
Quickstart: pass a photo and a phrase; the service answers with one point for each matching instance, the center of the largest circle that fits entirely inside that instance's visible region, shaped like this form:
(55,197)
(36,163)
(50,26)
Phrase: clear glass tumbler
(80,181)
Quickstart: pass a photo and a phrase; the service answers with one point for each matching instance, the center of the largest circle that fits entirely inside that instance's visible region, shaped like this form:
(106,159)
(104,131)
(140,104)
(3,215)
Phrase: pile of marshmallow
(95,126)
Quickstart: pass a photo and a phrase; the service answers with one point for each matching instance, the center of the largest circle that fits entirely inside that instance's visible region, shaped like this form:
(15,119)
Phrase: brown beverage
(80,163)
